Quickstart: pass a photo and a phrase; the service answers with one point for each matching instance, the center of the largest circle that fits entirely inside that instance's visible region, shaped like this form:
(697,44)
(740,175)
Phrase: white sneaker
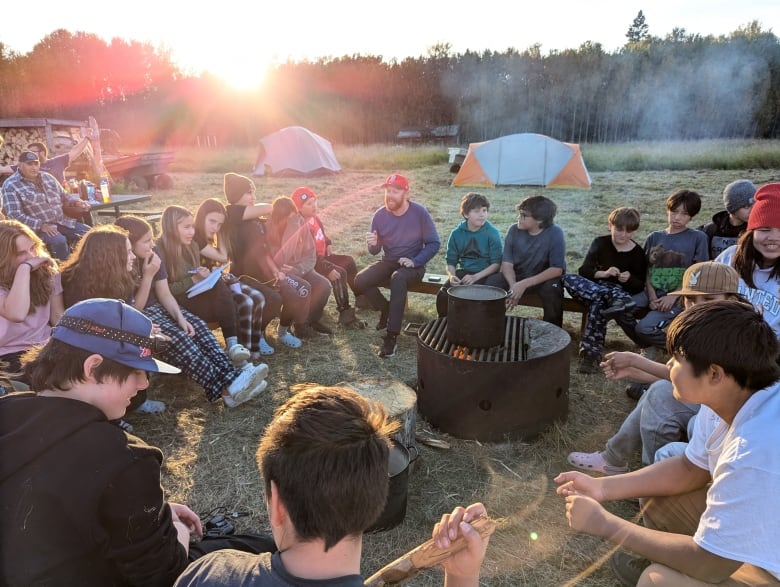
(151,406)
(232,402)
(247,380)
(289,340)
(238,354)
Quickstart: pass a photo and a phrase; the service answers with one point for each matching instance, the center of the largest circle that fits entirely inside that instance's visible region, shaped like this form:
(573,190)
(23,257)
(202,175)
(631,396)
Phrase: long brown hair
(283,206)
(136,228)
(98,267)
(206,207)
(746,257)
(41,280)
(172,251)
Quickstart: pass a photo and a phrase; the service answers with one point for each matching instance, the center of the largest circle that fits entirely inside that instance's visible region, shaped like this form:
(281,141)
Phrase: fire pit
(514,390)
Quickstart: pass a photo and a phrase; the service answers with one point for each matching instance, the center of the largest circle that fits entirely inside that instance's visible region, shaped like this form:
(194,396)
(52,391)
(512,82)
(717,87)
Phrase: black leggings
(214,305)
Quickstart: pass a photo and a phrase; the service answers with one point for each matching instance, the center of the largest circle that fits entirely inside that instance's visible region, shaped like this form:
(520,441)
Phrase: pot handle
(415,450)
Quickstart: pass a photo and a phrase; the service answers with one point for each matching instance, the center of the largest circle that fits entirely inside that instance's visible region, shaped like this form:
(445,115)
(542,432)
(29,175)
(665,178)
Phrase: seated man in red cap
(339,269)
(406,235)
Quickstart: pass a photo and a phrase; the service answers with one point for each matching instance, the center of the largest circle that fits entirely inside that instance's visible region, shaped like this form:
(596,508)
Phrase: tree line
(682,86)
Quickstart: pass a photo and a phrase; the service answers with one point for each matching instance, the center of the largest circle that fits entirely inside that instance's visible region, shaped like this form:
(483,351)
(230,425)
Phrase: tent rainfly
(523,159)
(295,151)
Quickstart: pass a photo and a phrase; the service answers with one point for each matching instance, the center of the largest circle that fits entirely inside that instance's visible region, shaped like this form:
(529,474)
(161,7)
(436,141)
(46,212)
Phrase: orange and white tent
(523,159)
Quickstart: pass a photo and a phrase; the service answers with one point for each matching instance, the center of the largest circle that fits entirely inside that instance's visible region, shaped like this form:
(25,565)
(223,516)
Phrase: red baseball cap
(396,181)
(302,195)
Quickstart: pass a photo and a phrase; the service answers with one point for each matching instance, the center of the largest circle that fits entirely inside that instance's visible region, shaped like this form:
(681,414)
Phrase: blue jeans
(60,244)
(651,330)
(657,420)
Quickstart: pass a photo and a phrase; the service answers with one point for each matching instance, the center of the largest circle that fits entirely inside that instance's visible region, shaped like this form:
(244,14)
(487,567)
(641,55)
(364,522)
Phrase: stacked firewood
(16,140)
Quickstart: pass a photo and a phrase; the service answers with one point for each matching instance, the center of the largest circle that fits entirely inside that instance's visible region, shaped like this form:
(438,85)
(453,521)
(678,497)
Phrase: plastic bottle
(104,190)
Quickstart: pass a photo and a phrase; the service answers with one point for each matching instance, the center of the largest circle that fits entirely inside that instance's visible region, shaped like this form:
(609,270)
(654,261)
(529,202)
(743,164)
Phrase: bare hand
(200,274)
(181,513)
(618,365)
(516,291)
(372,238)
(468,561)
(405,262)
(151,265)
(333,275)
(613,271)
(36,262)
(49,229)
(665,303)
(467,280)
(577,483)
(585,514)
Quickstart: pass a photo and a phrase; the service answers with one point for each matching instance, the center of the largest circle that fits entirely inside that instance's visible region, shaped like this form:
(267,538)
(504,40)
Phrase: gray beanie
(738,194)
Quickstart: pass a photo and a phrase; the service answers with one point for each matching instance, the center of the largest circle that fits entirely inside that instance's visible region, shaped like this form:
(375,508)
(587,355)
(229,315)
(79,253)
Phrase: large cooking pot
(394,511)
(475,315)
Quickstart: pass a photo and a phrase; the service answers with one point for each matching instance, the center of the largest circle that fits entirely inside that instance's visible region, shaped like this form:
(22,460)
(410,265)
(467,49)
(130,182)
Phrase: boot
(347,316)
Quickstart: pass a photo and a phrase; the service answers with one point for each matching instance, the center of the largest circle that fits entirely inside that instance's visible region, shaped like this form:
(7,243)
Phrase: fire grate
(514,348)
(514,390)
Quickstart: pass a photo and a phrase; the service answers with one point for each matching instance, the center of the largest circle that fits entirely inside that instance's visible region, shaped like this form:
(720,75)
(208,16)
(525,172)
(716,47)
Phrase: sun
(242,76)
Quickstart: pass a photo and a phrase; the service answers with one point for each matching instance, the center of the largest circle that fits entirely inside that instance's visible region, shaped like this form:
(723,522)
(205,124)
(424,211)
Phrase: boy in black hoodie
(81,502)
(727,225)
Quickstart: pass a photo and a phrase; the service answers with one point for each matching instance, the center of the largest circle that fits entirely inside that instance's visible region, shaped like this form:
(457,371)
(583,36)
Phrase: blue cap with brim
(114,330)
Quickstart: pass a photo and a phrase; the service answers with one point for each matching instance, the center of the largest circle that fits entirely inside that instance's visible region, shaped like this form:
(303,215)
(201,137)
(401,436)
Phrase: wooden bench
(432,282)
(151,216)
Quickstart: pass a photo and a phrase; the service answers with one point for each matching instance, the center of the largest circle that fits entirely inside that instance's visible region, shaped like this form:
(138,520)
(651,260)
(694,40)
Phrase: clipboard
(209,282)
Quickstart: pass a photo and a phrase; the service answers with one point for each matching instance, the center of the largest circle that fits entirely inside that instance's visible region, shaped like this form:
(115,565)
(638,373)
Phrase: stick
(425,555)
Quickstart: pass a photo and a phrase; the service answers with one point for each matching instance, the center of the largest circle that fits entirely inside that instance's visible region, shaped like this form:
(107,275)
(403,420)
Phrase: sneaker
(594,462)
(151,406)
(347,316)
(303,331)
(589,365)
(618,306)
(636,390)
(265,348)
(320,328)
(389,346)
(246,381)
(232,402)
(287,339)
(628,567)
(124,425)
(382,324)
(238,354)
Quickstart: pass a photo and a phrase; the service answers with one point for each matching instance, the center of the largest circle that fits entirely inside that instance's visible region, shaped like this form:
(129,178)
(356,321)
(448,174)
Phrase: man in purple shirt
(406,234)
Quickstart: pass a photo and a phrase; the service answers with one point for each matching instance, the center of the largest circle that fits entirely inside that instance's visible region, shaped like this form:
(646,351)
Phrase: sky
(238,39)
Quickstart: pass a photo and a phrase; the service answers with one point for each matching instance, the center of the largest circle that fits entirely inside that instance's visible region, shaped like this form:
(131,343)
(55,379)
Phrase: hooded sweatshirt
(81,500)
(721,234)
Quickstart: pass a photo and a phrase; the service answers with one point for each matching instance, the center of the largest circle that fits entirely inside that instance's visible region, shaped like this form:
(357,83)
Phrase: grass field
(210,450)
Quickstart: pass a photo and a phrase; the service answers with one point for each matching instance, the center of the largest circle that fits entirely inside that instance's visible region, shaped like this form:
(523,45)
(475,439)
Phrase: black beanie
(235,186)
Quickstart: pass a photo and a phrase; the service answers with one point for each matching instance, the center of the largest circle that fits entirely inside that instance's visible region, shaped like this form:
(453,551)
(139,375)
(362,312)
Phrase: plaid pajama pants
(200,357)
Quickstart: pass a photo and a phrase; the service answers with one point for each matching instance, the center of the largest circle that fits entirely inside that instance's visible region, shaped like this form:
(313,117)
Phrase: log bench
(432,282)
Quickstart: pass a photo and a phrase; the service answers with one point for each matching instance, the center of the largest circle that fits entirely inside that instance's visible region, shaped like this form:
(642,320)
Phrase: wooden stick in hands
(426,555)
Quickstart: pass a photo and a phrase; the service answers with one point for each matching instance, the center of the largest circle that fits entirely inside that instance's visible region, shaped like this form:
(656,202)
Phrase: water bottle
(104,190)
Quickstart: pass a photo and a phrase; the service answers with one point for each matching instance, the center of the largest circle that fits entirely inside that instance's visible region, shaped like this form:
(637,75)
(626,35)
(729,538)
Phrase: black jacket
(80,500)
(721,234)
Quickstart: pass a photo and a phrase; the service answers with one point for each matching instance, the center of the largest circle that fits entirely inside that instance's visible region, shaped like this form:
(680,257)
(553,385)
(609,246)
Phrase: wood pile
(16,140)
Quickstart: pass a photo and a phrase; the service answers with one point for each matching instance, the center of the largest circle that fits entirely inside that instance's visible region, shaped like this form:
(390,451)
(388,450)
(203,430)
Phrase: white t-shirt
(741,520)
(765,296)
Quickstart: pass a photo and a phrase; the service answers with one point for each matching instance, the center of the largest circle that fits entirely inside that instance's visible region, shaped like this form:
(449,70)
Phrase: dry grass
(210,450)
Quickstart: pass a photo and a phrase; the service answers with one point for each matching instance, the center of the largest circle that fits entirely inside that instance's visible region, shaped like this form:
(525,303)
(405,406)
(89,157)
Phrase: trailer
(139,170)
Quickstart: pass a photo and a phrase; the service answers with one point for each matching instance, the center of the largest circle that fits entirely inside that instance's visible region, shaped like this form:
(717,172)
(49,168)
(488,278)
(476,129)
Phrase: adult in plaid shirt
(35,198)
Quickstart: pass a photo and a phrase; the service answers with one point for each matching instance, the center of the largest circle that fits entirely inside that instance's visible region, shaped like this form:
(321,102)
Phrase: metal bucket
(475,315)
(394,511)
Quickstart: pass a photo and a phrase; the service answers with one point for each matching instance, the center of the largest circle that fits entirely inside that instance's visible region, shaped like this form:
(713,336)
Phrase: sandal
(595,462)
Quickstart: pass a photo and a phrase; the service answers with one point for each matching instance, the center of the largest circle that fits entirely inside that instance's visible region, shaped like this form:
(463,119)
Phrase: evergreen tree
(638,29)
